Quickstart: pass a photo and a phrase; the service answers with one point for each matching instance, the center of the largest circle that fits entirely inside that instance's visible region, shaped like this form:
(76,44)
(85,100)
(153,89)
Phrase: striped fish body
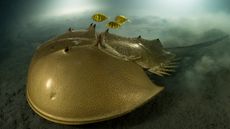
(113,25)
(120,19)
(98,17)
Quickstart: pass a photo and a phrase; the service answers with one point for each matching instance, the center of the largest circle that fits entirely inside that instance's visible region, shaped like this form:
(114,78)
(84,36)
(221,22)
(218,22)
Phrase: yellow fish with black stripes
(121,19)
(113,25)
(99,17)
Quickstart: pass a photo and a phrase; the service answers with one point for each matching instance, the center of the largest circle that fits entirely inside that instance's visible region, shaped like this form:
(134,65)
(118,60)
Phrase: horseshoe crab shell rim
(95,118)
(60,120)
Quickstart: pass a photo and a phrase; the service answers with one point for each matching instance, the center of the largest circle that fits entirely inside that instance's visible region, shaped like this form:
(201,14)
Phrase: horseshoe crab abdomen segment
(86,85)
(120,47)
(149,54)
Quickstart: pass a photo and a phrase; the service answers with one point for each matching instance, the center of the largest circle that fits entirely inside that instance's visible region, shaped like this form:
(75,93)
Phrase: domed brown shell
(73,84)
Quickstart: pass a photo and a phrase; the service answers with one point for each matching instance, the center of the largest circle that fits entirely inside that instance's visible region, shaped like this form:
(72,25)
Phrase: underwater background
(196,96)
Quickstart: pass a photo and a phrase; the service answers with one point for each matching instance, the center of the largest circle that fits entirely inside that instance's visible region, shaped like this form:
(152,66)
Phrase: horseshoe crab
(83,77)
